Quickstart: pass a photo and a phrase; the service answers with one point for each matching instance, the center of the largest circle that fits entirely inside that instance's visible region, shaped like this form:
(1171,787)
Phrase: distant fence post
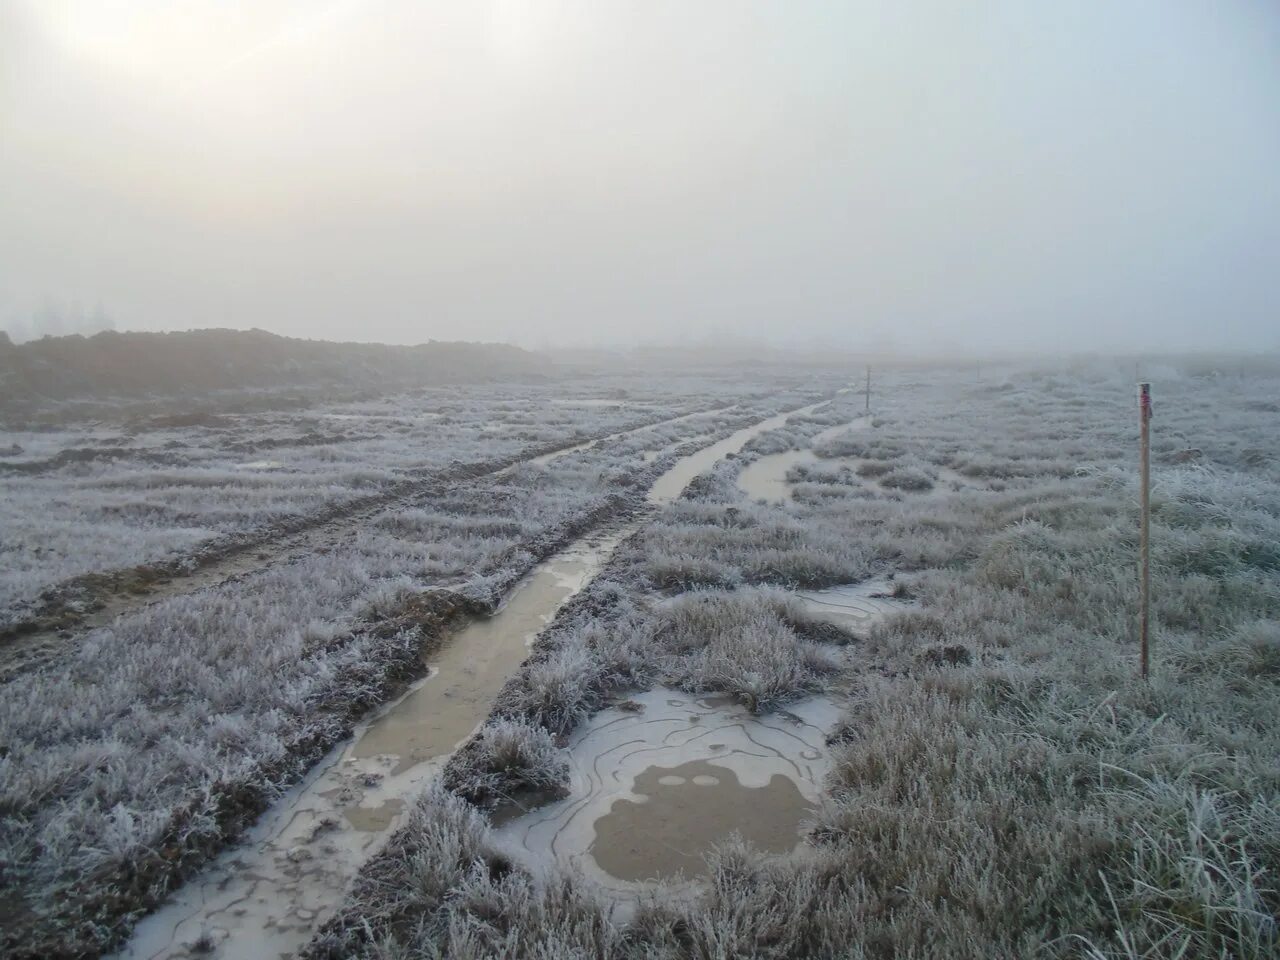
(1144,541)
(868,408)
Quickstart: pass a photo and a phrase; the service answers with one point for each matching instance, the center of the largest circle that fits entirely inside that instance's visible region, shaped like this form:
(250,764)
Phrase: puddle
(672,483)
(855,607)
(766,477)
(262,899)
(260,465)
(432,720)
(682,810)
(653,790)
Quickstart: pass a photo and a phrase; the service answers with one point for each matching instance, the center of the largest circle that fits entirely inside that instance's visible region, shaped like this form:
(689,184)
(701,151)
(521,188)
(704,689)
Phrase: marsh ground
(999,782)
(138,744)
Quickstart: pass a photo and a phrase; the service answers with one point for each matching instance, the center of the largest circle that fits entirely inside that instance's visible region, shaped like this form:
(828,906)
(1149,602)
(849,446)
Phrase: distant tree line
(55,318)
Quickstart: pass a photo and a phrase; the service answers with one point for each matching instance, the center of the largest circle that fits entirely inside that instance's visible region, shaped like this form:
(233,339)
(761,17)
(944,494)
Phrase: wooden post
(868,390)
(1144,541)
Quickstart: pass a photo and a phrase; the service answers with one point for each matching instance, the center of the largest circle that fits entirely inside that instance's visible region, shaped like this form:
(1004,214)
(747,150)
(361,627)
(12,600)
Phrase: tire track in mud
(95,600)
(266,899)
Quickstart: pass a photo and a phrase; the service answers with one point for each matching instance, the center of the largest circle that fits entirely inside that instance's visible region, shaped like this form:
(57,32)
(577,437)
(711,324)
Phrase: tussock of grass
(505,758)
(741,644)
(910,479)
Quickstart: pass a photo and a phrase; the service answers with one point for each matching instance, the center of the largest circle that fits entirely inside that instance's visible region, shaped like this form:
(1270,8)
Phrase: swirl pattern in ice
(657,782)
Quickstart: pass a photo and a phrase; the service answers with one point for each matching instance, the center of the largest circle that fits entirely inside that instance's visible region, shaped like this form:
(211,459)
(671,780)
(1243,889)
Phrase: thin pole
(868,390)
(1144,542)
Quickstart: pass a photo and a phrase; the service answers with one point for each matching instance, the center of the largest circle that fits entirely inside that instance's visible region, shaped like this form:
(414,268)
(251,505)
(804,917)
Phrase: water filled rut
(265,897)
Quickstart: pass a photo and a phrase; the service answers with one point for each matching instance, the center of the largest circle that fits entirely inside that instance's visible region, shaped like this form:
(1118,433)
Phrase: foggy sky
(1036,175)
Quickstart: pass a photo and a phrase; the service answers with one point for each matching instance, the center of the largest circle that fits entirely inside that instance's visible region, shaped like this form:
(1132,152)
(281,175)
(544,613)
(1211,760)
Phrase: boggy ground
(1003,784)
(157,738)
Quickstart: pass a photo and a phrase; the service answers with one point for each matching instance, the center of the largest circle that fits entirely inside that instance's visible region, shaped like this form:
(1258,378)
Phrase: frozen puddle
(766,478)
(856,607)
(672,483)
(657,782)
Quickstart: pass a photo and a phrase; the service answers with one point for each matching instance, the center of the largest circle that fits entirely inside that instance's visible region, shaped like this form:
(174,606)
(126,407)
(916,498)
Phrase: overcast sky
(1056,175)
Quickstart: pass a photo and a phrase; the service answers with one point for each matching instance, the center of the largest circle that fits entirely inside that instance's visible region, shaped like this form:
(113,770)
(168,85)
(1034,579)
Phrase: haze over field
(1036,176)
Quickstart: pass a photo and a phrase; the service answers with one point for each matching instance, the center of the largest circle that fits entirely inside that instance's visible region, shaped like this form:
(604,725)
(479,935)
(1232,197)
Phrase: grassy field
(88,496)
(1003,784)
(149,743)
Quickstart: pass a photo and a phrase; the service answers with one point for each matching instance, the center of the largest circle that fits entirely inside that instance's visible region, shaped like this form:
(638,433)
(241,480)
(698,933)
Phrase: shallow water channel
(766,477)
(264,898)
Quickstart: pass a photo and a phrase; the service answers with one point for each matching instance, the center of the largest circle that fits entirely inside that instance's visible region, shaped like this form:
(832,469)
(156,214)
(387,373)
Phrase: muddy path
(266,897)
(96,600)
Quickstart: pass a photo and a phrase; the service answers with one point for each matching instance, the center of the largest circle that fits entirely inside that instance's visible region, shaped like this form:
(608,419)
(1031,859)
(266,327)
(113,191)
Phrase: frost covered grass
(100,496)
(158,723)
(505,759)
(161,736)
(1003,783)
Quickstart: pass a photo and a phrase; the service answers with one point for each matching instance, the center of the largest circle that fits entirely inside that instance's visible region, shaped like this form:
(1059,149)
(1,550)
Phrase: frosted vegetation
(1003,783)
(160,736)
(95,496)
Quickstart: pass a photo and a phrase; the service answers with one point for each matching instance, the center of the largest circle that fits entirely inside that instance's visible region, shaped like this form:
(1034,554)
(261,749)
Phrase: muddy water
(654,786)
(668,833)
(264,898)
(672,483)
(766,478)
